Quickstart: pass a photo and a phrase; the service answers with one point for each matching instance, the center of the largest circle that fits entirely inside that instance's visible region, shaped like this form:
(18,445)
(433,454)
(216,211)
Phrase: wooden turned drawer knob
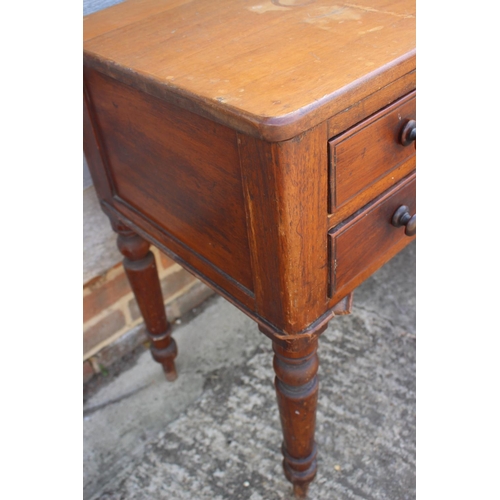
(408,133)
(402,217)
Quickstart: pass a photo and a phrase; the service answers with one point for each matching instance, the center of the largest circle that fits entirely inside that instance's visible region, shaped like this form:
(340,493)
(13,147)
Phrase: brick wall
(112,323)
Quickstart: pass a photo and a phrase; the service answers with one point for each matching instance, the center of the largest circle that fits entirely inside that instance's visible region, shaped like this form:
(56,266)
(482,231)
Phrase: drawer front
(369,158)
(369,239)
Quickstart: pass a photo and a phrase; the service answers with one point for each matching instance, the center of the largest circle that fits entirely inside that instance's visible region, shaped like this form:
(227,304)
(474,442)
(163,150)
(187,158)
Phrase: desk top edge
(271,129)
(278,103)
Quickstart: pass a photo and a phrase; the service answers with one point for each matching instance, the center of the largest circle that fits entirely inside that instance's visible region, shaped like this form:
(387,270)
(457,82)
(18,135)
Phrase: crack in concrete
(93,409)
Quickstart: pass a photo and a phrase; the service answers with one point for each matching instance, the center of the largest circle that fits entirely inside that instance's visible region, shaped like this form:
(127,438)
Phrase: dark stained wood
(371,104)
(366,196)
(140,266)
(343,306)
(171,174)
(364,161)
(266,69)
(285,186)
(296,386)
(94,153)
(368,240)
(182,254)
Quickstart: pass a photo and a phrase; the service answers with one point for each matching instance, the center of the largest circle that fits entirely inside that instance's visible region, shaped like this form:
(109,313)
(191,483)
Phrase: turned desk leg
(140,266)
(297,392)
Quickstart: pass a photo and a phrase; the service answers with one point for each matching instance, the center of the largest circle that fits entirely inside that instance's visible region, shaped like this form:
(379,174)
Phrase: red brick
(133,308)
(102,330)
(88,371)
(165,261)
(122,346)
(169,284)
(105,295)
(135,313)
(174,282)
(97,280)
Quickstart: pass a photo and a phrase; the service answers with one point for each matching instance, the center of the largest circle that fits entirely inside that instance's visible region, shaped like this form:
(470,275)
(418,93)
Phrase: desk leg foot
(297,392)
(140,266)
(300,490)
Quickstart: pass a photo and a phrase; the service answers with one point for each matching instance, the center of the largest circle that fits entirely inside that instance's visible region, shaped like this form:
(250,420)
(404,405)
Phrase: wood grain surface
(368,240)
(369,158)
(140,266)
(180,172)
(285,192)
(296,386)
(272,69)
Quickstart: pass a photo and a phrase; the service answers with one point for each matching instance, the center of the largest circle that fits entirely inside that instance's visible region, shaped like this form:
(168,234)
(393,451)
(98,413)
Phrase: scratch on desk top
(265,7)
(370,9)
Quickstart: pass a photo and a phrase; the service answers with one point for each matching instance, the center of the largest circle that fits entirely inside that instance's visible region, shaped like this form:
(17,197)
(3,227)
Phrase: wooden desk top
(272,69)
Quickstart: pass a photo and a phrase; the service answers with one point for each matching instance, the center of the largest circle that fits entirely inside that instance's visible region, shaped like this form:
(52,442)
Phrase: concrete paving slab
(215,434)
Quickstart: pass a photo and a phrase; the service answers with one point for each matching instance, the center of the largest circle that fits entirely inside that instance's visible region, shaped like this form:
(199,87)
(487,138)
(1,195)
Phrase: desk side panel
(178,170)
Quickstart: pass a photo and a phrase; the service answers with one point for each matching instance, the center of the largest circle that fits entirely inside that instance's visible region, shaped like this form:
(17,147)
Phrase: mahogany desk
(269,148)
